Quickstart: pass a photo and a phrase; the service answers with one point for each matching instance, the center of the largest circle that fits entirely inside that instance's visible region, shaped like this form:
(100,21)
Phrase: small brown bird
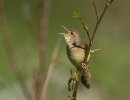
(76,53)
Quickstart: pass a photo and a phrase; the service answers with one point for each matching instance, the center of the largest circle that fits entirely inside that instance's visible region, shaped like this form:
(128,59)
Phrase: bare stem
(85,28)
(87,56)
(97,24)
(76,85)
(95,9)
(43,9)
(51,67)
(10,54)
(29,21)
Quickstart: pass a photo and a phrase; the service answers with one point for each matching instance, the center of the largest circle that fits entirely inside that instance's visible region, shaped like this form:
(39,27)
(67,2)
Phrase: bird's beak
(65,28)
(64,34)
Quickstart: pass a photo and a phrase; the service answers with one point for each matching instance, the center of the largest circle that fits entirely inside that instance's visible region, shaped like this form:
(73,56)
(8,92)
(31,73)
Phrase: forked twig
(95,9)
(97,24)
(88,47)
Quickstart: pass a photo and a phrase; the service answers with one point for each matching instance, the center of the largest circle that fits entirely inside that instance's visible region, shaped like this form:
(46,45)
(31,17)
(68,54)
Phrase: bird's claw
(84,66)
(72,80)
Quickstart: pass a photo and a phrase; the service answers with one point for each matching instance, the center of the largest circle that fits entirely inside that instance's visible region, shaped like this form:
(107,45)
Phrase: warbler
(76,53)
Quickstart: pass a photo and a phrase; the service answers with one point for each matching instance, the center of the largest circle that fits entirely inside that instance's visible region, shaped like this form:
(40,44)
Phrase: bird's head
(72,37)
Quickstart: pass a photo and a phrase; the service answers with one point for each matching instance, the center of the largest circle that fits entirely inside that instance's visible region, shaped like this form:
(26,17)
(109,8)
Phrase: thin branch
(15,67)
(43,10)
(10,54)
(51,67)
(36,66)
(97,24)
(29,21)
(95,9)
(77,15)
(88,47)
(76,85)
(86,29)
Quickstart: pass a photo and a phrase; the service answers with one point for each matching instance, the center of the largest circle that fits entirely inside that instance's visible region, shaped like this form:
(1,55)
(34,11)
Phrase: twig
(96,27)
(85,28)
(43,9)
(95,9)
(25,61)
(76,85)
(35,76)
(51,66)
(88,47)
(15,67)
(29,21)
(10,54)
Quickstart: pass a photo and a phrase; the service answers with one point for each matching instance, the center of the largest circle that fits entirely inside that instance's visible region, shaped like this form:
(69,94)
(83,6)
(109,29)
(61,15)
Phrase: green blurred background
(110,67)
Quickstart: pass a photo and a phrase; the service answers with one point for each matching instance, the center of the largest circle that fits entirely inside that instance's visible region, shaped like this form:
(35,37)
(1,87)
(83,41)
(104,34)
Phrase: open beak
(64,34)
(65,28)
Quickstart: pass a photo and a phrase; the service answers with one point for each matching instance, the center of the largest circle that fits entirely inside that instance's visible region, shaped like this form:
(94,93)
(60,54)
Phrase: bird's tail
(86,78)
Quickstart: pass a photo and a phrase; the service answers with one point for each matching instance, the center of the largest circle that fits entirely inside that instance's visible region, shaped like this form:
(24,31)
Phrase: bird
(76,53)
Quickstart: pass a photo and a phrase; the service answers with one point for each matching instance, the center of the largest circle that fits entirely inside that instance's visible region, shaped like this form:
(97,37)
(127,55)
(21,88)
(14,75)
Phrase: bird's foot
(72,80)
(84,66)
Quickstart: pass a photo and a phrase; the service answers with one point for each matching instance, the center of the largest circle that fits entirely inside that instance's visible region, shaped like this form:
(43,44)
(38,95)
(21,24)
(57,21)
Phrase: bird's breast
(76,55)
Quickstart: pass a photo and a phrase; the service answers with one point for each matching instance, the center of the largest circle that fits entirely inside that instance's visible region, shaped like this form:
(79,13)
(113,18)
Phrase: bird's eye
(71,32)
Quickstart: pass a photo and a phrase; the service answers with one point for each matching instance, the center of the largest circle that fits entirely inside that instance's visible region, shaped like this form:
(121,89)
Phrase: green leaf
(76,14)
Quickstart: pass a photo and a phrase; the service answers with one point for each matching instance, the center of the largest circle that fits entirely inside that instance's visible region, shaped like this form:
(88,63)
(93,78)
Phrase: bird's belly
(76,56)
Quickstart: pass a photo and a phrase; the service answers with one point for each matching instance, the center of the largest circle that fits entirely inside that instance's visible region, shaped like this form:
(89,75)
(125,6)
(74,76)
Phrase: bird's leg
(72,80)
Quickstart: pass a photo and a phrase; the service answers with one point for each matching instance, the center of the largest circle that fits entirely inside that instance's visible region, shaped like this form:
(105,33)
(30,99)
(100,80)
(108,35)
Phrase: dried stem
(43,9)
(29,21)
(95,9)
(10,54)
(25,61)
(51,67)
(15,67)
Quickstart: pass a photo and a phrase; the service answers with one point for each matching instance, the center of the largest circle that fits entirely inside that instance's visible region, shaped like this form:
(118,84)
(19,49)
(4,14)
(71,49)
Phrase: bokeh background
(110,67)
